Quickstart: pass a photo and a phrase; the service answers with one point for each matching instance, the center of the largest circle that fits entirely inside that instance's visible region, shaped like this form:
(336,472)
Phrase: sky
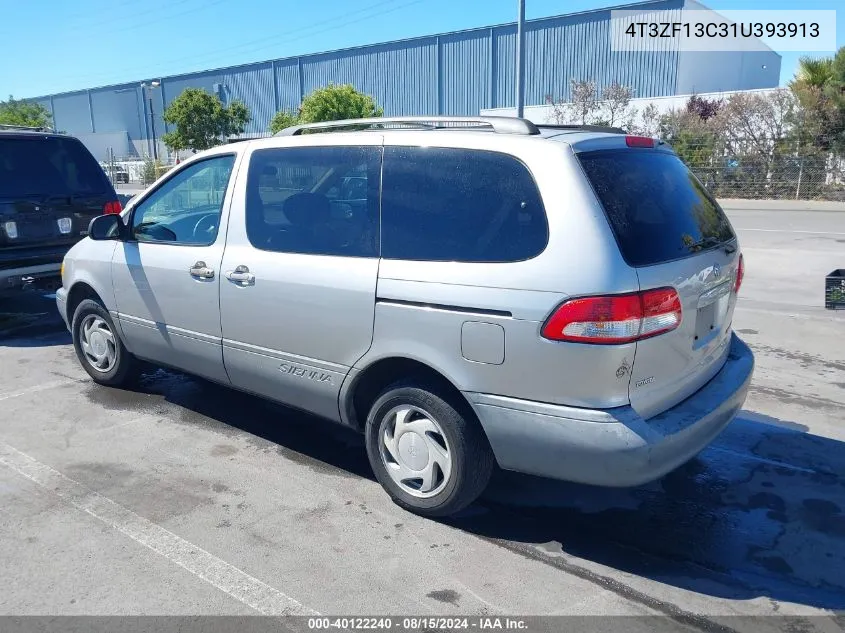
(49,46)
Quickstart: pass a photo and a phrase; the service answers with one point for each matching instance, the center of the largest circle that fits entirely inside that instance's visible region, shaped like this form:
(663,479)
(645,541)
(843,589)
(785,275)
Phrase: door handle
(201,271)
(241,275)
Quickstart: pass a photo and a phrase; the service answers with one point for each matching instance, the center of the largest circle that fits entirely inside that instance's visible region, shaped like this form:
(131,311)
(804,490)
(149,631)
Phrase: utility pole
(520,60)
(153,84)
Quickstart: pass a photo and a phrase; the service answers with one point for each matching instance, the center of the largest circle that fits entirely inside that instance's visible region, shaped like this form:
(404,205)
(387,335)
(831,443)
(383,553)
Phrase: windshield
(48,166)
(657,208)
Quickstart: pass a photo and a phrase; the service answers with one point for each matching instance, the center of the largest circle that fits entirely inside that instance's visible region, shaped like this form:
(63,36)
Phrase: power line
(115,18)
(282,34)
(305,32)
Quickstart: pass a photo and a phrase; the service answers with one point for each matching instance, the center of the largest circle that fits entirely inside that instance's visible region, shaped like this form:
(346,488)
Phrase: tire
(455,431)
(96,320)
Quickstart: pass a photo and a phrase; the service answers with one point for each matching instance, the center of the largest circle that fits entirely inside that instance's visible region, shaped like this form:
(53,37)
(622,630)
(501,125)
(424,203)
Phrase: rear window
(657,208)
(47,165)
(463,205)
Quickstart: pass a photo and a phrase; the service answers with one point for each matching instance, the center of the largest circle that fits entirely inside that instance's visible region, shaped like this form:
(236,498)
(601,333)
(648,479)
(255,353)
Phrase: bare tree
(758,127)
(616,101)
(583,102)
(647,121)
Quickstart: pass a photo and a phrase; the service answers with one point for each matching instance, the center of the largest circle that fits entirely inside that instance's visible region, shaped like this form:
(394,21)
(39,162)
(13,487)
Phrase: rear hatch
(676,236)
(50,189)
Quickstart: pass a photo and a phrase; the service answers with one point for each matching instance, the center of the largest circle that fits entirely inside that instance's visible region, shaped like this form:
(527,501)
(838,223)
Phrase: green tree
(26,113)
(819,86)
(336,102)
(281,120)
(814,72)
(202,121)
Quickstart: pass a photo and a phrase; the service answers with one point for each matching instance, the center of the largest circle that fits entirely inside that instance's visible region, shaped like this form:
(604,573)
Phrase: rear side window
(657,208)
(314,200)
(49,165)
(444,204)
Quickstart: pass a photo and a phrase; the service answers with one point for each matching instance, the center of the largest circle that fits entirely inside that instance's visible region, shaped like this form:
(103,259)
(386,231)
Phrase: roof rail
(26,128)
(498,124)
(582,128)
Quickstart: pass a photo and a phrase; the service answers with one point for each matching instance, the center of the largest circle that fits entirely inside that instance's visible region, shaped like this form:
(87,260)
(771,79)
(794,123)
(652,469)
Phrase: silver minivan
(466,292)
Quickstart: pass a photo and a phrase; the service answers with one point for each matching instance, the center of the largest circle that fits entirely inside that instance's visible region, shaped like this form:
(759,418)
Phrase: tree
(202,121)
(814,72)
(818,88)
(281,120)
(25,113)
(584,100)
(646,122)
(616,100)
(705,109)
(336,102)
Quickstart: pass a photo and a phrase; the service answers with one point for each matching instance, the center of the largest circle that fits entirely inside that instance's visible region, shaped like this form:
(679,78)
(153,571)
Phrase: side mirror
(106,227)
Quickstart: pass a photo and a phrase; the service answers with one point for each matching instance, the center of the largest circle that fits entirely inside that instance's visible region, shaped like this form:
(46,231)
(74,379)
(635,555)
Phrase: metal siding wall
(723,71)
(72,114)
(578,47)
(401,77)
(287,84)
(118,109)
(476,70)
(465,72)
(254,86)
(504,80)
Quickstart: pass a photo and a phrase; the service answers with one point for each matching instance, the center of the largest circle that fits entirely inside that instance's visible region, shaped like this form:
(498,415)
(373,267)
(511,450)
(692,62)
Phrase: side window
(185,209)
(444,204)
(314,200)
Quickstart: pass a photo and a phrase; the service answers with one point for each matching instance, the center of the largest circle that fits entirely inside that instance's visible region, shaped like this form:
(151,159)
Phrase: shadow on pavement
(30,319)
(758,513)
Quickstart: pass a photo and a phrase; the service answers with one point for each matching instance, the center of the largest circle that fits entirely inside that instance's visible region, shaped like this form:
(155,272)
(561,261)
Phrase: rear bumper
(613,447)
(14,279)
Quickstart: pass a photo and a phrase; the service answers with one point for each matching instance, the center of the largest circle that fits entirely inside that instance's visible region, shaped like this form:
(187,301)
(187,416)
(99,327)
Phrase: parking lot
(183,497)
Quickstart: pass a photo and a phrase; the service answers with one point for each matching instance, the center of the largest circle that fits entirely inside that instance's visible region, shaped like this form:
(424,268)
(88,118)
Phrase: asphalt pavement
(183,497)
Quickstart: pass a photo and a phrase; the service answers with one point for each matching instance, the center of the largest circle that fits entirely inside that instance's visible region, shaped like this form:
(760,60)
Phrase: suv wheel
(98,346)
(431,458)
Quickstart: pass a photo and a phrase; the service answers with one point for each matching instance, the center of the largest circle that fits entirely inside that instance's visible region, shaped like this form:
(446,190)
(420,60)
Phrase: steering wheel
(206,224)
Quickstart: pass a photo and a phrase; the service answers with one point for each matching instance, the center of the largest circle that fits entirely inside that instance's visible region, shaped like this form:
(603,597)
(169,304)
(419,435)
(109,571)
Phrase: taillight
(615,319)
(639,141)
(112,207)
(740,273)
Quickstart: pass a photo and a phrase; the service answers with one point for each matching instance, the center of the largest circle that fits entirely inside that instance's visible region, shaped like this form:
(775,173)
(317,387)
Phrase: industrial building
(458,73)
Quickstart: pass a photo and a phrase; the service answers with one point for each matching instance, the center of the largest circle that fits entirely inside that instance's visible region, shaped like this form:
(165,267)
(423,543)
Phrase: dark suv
(50,188)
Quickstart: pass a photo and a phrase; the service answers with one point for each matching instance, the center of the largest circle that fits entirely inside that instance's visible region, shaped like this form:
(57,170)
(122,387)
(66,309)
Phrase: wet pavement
(754,525)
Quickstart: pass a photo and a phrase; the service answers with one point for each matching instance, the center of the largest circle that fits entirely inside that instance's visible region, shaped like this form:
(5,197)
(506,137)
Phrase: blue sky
(51,46)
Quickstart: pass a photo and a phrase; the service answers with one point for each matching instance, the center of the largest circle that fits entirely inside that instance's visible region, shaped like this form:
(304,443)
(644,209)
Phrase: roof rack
(498,124)
(25,128)
(582,128)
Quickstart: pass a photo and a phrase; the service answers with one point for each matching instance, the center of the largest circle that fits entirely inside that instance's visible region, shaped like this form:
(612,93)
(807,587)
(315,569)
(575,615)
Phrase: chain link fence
(766,168)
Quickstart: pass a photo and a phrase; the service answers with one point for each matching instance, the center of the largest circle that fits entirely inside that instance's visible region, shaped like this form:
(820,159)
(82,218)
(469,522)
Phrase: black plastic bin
(834,290)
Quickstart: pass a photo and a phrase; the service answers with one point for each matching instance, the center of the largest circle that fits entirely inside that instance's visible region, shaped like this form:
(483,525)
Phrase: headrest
(307,209)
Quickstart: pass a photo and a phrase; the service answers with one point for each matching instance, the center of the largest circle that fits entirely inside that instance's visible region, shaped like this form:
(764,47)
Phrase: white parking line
(215,571)
(740,228)
(37,388)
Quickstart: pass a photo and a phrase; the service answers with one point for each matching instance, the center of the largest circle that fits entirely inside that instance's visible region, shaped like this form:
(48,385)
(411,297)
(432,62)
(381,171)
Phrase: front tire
(99,348)
(427,450)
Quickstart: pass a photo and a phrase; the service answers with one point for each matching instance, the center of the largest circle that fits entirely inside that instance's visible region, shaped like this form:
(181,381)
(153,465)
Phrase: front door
(297,294)
(166,277)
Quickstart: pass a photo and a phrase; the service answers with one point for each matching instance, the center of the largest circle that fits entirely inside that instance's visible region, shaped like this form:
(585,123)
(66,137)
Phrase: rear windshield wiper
(700,245)
(708,242)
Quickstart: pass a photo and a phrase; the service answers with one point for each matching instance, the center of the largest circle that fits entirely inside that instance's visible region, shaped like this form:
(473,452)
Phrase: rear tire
(427,449)
(99,348)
